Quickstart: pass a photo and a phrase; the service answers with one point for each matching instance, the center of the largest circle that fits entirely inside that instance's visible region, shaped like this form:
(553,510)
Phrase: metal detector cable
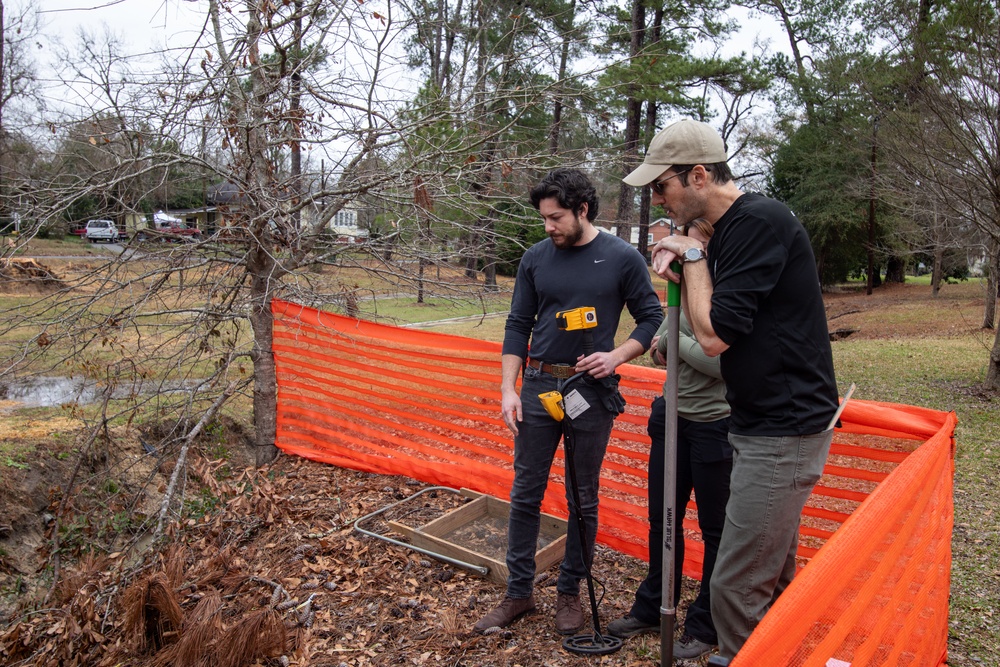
(596,643)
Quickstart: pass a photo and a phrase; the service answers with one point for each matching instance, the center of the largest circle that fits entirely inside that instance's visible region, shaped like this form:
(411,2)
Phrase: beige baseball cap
(684,142)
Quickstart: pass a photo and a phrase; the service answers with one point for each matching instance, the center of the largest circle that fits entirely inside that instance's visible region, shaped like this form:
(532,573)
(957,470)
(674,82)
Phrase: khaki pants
(772,479)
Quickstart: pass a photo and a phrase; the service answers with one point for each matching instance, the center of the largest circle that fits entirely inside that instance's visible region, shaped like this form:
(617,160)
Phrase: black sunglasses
(657,186)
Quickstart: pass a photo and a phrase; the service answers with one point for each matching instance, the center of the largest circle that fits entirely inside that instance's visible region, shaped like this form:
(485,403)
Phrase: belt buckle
(562,371)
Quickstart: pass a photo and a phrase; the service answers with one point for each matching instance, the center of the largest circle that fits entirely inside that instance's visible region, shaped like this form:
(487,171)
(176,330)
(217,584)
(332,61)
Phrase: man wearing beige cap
(754,298)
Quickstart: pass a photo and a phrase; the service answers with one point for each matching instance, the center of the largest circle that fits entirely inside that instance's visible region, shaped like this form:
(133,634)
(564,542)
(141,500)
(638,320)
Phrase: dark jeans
(534,448)
(704,463)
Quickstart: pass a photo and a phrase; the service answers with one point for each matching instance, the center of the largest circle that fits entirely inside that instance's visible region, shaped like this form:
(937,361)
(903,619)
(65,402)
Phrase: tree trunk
(803,85)
(992,285)
(993,370)
(3,134)
(870,282)
(295,112)
(472,258)
(895,270)
(645,197)
(626,197)
(421,263)
(260,263)
(265,386)
(937,269)
(490,272)
(555,133)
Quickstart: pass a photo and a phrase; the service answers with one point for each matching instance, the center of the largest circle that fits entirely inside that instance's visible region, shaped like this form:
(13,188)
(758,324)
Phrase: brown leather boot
(569,614)
(508,611)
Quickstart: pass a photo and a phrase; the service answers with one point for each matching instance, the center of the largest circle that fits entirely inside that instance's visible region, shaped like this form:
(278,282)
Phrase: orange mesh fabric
(407,402)
(877,592)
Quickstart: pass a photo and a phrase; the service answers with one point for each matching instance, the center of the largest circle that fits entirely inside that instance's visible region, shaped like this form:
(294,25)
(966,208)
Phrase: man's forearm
(627,351)
(510,365)
(697,286)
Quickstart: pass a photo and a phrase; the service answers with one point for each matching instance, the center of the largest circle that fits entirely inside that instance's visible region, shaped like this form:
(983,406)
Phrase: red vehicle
(168,228)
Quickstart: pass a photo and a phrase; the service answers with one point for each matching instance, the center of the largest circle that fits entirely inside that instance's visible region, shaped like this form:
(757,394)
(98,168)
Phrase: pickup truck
(101,230)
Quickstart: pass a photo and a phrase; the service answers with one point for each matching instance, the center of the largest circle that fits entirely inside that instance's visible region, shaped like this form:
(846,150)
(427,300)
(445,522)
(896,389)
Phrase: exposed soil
(883,314)
(27,276)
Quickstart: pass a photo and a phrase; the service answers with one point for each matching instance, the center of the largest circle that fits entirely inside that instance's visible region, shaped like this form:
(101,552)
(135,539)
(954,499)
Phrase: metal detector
(668,612)
(582,319)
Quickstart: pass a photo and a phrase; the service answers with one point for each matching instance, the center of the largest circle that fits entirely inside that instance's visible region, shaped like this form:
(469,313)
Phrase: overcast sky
(140,21)
(146,24)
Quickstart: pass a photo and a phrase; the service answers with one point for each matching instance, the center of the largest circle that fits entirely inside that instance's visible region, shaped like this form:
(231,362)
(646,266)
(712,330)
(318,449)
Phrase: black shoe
(688,647)
(631,626)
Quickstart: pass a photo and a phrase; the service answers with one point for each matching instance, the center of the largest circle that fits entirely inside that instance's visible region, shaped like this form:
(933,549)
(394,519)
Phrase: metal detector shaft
(597,643)
(569,449)
(668,612)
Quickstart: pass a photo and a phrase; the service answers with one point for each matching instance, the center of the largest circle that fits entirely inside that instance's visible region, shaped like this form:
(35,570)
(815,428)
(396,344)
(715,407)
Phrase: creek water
(55,390)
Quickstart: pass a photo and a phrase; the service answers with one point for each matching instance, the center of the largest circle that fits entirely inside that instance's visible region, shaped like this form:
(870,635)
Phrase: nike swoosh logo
(598,261)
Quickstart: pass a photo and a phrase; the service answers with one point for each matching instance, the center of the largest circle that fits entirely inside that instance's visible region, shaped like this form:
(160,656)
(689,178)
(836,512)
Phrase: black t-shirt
(768,307)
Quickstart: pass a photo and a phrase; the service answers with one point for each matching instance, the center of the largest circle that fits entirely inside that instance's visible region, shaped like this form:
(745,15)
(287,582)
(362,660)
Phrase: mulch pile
(27,276)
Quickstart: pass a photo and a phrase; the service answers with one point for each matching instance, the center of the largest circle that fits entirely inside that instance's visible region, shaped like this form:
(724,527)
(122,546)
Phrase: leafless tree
(165,329)
(19,33)
(947,139)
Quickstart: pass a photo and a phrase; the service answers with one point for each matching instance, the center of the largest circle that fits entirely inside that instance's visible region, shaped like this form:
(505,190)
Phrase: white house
(344,224)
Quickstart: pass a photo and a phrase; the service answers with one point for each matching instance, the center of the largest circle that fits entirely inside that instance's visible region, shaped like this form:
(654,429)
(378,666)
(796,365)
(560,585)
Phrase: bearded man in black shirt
(578,266)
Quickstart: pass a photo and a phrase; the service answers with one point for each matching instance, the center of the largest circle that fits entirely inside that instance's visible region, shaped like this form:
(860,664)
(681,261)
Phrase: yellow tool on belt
(552,402)
(570,320)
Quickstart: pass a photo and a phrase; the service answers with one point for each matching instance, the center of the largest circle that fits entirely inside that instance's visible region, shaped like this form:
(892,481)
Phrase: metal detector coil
(595,644)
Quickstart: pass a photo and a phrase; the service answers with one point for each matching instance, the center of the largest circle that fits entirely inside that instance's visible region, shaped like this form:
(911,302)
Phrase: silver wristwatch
(693,255)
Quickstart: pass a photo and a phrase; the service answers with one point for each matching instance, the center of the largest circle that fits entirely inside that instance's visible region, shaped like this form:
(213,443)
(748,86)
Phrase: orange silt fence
(875,535)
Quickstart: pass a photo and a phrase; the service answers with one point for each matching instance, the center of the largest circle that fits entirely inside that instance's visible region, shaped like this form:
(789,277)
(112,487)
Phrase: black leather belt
(561,371)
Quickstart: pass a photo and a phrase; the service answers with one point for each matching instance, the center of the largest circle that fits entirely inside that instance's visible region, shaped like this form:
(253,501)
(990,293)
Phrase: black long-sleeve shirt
(606,274)
(768,307)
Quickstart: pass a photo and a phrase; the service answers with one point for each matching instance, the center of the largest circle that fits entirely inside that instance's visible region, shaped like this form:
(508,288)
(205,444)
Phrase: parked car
(101,230)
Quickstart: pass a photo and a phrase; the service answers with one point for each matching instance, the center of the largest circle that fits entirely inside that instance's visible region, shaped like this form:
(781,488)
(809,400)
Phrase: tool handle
(674,289)
(588,343)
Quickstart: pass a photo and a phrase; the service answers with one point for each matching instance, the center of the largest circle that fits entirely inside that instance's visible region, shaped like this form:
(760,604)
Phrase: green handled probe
(668,612)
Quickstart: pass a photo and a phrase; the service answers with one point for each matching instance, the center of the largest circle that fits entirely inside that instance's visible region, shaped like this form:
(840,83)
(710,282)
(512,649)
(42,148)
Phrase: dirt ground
(277,553)
(265,566)
(883,314)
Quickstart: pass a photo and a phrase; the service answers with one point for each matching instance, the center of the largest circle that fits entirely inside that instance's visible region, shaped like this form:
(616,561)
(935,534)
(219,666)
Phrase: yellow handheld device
(576,319)
(552,402)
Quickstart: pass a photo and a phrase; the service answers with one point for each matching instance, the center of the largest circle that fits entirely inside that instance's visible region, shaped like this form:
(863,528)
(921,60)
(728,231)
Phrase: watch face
(693,254)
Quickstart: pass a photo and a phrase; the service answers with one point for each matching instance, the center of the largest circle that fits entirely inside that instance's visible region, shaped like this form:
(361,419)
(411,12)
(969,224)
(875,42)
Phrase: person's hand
(669,249)
(510,404)
(662,257)
(598,365)
(654,353)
